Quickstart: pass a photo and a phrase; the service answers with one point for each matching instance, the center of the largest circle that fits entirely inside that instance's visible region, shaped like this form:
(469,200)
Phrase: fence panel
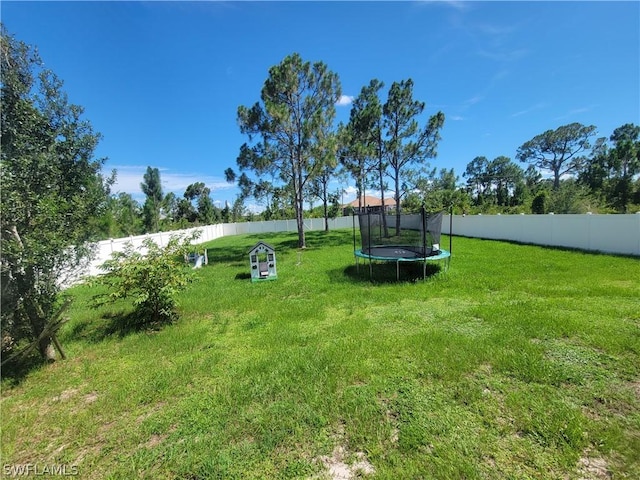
(618,234)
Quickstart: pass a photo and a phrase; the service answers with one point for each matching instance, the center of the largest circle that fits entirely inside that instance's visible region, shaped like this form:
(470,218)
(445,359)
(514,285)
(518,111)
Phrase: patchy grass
(519,362)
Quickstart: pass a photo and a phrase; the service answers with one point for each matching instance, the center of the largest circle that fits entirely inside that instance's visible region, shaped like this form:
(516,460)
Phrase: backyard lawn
(518,362)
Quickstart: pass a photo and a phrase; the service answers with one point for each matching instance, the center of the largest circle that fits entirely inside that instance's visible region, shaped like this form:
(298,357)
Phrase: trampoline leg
(398,271)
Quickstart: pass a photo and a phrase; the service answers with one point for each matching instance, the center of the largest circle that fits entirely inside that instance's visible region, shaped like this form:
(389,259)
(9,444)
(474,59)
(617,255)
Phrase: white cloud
(455,118)
(178,182)
(458,5)
(255,208)
(344,100)
(533,108)
(474,100)
(575,112)
(351,190)
(129,178)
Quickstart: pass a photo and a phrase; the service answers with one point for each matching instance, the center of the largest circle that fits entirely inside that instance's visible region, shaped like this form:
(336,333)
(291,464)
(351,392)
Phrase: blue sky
(162,81)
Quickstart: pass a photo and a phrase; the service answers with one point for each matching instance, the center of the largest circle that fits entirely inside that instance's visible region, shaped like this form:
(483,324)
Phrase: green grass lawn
(519,362)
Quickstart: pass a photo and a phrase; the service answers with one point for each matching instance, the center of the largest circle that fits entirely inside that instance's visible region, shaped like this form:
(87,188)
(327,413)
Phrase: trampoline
(403,238)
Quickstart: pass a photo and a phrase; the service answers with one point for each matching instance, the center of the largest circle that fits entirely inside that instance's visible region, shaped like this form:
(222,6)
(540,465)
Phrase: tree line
(125,216)
(55,198)
(294,151)
(583,175)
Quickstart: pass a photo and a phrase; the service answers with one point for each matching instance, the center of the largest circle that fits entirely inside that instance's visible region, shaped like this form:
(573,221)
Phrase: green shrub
(540,201)
(151,275)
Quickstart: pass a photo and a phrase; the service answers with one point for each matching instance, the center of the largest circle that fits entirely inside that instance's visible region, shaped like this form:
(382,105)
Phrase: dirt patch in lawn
(338,468)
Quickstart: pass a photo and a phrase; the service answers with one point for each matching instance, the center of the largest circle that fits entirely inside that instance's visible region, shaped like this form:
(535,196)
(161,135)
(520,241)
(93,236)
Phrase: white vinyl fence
(105,248)
(619,234)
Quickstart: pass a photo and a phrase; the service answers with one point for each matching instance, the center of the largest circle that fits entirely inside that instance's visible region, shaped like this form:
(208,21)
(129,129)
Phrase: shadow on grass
(332,238)
(282,242)
(239,254)
(15,371)
(114,324)
(385,273)
(557,248)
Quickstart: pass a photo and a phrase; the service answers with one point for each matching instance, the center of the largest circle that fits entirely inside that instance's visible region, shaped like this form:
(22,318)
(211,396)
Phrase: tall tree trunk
(45,346)
(326,215)
(382,204)
(299,207)
(556,180)
(397,184)
(38,322)
(626,183)
(360,190)
(300,222)
(380,159)
(325,202)
(30,305)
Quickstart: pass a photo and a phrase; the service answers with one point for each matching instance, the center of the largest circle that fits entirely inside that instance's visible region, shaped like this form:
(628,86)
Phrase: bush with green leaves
(151,275)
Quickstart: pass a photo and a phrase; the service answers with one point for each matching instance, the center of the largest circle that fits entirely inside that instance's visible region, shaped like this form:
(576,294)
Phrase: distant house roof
(369,201)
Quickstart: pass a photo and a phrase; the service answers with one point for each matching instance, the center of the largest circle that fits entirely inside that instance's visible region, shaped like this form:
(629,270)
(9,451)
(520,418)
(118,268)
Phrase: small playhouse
(262,258)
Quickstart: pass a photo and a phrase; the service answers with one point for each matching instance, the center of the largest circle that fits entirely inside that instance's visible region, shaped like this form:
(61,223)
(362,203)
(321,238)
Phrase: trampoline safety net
(417,237)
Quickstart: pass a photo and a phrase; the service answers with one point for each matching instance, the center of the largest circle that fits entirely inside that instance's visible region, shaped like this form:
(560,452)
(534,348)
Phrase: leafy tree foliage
(122,217)
(279,205)
(247,188)
(185,212)
(195,190)
(477,175)
(532,179)
(612,168)
(152,188)
(570,197)
(297,110)
(225,213)
(558,151)
(238,209)
(540,201)
(437,191)
(624,162)
(361,137)
(52,188)
(170,209)
(507,181)
(205,211)
(230,175)
(128,214)
(406,143)
(319,188)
